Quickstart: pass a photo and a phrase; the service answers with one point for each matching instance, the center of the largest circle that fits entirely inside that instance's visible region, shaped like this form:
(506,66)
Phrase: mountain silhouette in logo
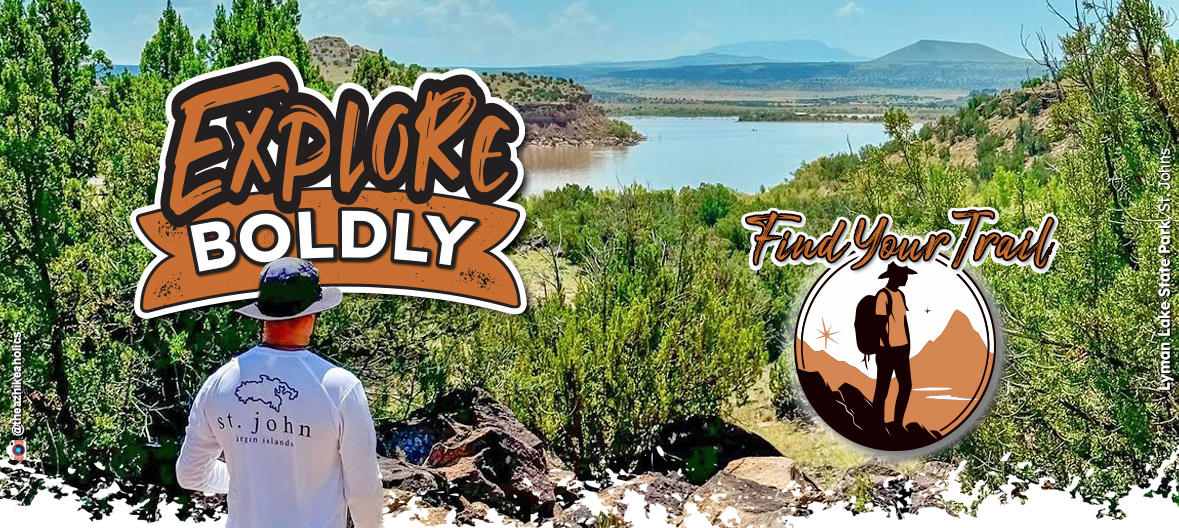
(268,390)
(948,375)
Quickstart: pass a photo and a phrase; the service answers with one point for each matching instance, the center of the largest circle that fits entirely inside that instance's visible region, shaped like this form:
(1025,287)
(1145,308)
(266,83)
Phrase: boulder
(433,516)
(568,489)
(402,475)
(893,491)
(472,512)
(398,501)
(578,516)
(874,470)
(764,491)
(775,472)
(699,447)
(479,448)
(670,492)
(406,442)
(728,500)
(928,484)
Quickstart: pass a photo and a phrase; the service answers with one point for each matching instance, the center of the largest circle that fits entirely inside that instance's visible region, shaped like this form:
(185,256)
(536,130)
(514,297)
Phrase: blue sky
(533,32)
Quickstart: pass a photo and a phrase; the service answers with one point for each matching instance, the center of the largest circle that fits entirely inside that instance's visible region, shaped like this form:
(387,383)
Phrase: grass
(823,456)
(540,280)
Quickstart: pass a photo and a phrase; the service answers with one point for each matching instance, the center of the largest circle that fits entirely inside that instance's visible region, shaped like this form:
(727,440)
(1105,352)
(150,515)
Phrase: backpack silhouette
(869,334)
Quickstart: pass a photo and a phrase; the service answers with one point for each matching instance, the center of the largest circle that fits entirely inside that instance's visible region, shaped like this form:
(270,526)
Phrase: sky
(533,32)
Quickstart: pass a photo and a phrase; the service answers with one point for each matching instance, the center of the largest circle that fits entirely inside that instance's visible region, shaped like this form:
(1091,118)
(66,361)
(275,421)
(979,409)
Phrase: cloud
(576,16)
(467,32)
(849,10)
(435,12)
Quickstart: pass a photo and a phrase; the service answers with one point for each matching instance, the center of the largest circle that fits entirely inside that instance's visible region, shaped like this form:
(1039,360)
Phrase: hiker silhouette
(882,329)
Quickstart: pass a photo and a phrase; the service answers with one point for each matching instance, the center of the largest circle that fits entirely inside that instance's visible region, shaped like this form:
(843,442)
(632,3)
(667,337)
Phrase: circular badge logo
(897,358)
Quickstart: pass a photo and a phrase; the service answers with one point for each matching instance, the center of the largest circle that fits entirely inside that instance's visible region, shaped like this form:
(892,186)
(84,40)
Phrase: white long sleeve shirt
(298,439)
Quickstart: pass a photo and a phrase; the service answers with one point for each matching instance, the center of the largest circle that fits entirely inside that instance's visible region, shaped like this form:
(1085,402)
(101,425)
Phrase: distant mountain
(786,51)
(962,77)
(942,51)
(710,58)
(700,59)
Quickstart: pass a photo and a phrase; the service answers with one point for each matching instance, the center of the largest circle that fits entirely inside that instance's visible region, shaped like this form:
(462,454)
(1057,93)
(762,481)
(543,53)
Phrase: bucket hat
(289,288)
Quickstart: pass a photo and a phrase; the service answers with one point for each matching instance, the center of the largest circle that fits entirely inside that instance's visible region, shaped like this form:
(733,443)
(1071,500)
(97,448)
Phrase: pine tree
(170,53)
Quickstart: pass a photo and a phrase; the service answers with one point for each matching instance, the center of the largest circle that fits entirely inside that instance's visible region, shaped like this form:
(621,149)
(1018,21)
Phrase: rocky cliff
(335,57)
(556,111)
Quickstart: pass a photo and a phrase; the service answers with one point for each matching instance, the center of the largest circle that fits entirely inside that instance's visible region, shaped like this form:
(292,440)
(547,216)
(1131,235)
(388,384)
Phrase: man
(893,357)
(298,438)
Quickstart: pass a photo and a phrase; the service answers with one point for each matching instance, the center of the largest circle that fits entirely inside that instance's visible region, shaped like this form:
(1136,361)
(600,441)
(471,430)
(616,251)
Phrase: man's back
(298,440)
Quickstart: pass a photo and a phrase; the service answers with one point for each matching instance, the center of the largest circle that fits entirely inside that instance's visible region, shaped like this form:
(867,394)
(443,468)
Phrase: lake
(683,151)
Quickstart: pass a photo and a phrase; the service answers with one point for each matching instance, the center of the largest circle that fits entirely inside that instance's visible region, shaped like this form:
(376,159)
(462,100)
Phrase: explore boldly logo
(406,193)
(897,348)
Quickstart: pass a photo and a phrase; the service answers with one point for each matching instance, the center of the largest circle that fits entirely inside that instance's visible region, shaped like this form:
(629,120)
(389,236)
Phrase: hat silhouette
(894,271)
(289,288)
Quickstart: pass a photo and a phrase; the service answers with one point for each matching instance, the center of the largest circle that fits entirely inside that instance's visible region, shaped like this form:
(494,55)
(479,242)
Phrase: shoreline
(753,119)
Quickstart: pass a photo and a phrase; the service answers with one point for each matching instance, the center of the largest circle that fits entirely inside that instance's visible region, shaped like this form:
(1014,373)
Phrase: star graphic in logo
(825,334)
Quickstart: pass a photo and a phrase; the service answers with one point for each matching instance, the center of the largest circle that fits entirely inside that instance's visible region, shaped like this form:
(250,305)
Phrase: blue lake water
(688,151)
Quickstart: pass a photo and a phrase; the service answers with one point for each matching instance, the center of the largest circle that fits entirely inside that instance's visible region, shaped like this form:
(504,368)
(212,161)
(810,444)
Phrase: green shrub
(1033,142)
(621,129)
(861,494)
(1035,105)
(711,202)
(1032,83)
(925,133)
(659,330)
(969,123)
(787,397)
(986,152)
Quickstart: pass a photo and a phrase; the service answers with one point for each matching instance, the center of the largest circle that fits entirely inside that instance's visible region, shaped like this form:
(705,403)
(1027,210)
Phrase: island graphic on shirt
(267,390)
